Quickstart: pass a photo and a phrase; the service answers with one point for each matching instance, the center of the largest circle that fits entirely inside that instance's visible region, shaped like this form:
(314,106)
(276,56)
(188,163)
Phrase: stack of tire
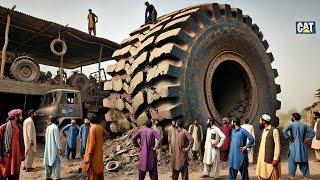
(161,69)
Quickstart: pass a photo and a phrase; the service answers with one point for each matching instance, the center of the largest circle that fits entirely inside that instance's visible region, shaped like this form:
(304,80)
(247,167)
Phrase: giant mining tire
(203,61)
(25,69)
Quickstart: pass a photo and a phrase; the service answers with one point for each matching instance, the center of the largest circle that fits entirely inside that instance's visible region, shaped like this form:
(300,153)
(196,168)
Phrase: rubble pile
(120,155)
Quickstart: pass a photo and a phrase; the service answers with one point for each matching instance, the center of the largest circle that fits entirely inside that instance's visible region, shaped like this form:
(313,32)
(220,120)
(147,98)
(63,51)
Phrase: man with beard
(268,166)
(71,132)
(250,129)
(12,146)
(182,144)
(172,134)
(159,130)
(238,157)
(214,141)
(298,152)
(93,157)
(316,140)
(30,141)
(52,150)
(196,131)
(226,128)
(83,135)
(145,140)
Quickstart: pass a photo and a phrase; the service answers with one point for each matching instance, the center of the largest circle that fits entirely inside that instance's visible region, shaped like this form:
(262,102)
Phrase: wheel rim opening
(231,90)
(25,71)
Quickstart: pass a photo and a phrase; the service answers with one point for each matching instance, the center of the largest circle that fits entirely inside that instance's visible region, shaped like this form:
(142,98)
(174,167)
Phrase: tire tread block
(162,69)
(117,83)
(137,101)
(278,88)
(169,49)
(137,62)
(166,111)
(120,65)
(108,85)
(136,80)
(161,91)
(177,33)
(275,73)
(237,13)
(144,45)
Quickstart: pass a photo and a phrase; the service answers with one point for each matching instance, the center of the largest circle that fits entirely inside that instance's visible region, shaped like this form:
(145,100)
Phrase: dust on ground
(70,169)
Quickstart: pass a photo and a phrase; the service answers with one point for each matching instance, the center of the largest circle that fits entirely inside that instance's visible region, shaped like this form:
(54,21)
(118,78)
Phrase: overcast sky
(296,56)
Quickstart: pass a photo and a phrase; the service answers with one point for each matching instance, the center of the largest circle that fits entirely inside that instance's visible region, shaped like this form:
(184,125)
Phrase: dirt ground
(69,170)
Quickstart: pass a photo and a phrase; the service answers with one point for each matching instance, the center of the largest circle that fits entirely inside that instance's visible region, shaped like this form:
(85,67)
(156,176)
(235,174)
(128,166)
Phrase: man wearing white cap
(268,166)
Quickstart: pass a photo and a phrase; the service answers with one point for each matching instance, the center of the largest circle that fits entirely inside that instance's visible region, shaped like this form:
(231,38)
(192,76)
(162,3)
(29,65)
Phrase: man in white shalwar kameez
(30,141)
(52,151)
(214,141)
(316,140)
(250,129)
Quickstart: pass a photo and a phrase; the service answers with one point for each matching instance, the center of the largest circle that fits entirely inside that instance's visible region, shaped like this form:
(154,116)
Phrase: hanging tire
(25,69)
(63,47)
(203,61)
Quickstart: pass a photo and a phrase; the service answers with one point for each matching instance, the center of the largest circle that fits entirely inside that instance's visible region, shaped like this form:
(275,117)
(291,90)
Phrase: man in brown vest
(268,166)
(195,130)
(316,140)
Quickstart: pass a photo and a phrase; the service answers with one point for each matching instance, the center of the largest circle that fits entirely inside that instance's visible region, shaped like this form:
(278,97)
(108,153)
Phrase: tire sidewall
(29,63)
(220,37)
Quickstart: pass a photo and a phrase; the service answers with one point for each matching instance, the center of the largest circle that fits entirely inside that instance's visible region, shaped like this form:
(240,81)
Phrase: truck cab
(62,103)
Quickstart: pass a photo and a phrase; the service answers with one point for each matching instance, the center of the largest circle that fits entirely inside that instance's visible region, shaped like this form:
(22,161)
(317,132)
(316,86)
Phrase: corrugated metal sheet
(32,36)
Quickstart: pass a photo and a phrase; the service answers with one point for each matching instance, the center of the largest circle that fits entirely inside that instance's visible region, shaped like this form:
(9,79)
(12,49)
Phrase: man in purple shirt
(147,145)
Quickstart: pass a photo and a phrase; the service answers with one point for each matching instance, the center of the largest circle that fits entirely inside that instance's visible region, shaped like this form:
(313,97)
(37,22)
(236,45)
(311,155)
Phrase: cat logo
(306,27)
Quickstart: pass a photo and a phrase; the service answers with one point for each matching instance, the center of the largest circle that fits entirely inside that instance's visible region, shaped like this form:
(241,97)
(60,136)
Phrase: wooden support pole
(6,42)
(5,45)
(61,70)
(99,65)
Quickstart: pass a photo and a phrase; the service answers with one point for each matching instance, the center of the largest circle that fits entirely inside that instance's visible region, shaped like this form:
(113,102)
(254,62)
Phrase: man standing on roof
(92,20)
(150,14)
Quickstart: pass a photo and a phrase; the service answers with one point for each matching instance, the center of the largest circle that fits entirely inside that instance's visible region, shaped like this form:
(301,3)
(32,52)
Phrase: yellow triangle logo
(305,30)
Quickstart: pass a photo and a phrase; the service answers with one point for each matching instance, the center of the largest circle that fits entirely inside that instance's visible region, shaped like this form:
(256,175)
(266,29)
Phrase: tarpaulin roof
(32,36)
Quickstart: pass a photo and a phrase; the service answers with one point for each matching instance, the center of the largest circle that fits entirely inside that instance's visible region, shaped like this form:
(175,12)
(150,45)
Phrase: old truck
(23,84)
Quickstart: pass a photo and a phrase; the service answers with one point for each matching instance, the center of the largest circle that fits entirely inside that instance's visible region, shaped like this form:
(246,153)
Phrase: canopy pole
(61,70)
(6,42)
(99,65)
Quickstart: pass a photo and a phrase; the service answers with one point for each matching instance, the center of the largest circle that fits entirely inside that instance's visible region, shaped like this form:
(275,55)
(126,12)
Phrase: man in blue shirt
(238,156)
(71,131)
(298,134)
(83,134)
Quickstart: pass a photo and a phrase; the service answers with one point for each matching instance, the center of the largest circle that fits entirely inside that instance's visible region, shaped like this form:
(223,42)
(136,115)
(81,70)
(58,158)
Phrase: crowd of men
(229,146)
(19,143)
